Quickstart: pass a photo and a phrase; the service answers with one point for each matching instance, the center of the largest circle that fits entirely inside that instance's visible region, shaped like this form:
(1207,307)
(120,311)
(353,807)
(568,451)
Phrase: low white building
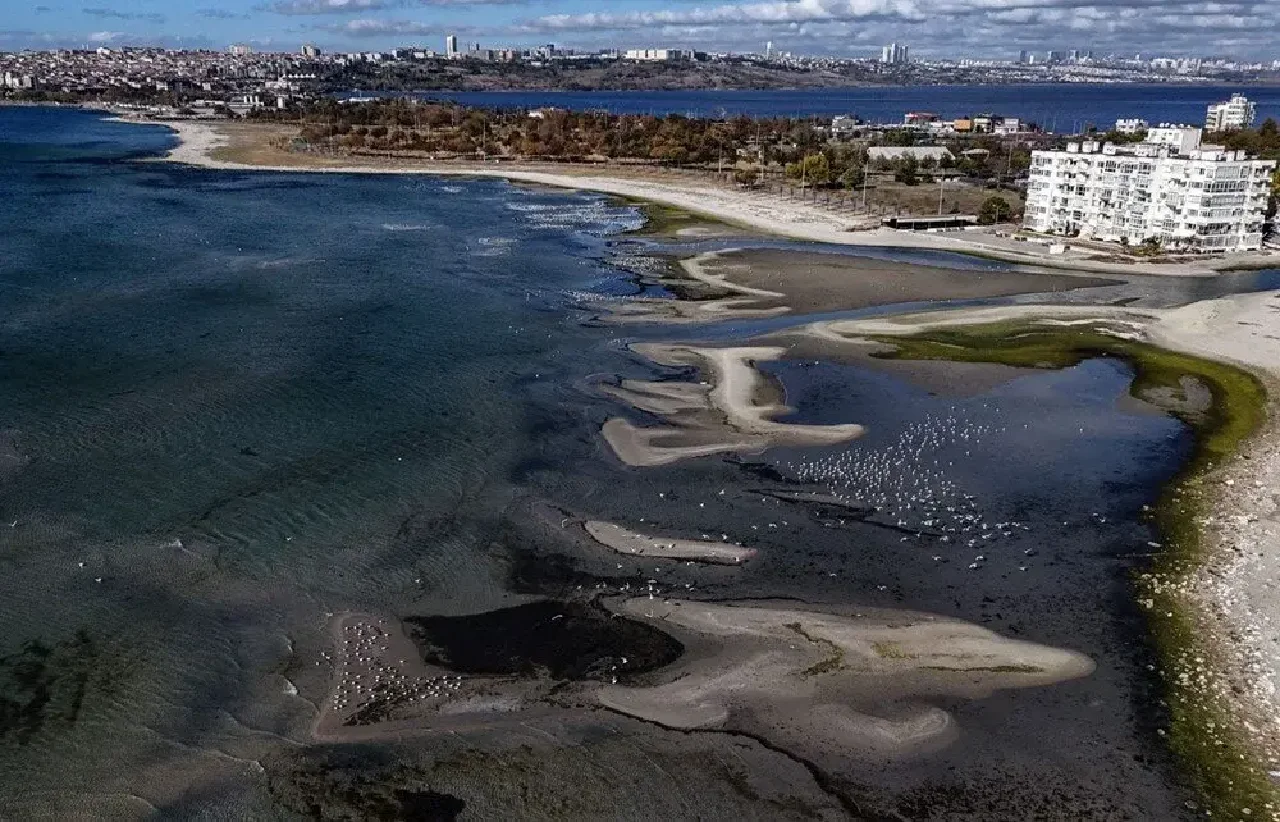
(1132,125)
(1188,196)
(658,55)
(920,153)
(1237,113)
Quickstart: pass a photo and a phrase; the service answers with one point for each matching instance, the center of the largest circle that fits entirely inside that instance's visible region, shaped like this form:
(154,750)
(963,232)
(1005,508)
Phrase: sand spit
(818,680)
(726,299)
(633,544)
(1119,321)
(774,214)
(727,415)
(812,681)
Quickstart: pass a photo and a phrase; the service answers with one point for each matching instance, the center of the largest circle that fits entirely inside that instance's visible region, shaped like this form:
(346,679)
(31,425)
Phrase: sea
(1059,108)
(234,404)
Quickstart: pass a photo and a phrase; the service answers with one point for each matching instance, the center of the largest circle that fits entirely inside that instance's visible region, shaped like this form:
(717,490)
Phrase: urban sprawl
(1158,187)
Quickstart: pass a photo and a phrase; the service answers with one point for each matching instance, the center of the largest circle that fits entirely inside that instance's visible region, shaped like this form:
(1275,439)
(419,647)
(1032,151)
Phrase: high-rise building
(894,54)
(1169,188)
(309,50)
(239,49)
(1024,57)
(1234,114)
(768,50)
(451,46)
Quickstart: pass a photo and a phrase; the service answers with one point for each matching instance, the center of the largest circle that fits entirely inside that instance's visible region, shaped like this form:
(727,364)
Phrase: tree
(814,169)
(906,173)
(995,210)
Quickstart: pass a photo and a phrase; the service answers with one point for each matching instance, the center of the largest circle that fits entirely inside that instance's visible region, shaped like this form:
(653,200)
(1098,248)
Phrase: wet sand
(631,543)
(754,283)
(726,413)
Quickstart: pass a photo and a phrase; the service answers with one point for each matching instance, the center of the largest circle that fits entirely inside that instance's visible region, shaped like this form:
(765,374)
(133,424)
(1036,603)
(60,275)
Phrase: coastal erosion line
(763,212)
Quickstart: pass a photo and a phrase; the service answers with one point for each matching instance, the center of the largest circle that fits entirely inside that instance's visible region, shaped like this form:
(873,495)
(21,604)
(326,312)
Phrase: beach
(210,145)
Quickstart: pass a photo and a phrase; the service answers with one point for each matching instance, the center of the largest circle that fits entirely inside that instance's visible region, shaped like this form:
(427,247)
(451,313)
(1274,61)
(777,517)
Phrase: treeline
(802,147)
(1263,141)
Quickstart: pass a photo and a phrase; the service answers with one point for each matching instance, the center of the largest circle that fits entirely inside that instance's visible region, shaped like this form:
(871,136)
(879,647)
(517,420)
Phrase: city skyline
(840,28)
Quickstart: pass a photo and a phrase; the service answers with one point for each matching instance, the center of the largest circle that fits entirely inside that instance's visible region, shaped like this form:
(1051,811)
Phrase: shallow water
(232,404)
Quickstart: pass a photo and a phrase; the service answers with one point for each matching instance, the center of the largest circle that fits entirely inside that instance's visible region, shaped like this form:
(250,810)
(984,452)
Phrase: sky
(846,28)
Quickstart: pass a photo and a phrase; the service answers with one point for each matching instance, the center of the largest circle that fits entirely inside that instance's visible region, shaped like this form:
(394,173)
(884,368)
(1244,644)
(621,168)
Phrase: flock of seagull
(365,677)
(908,484)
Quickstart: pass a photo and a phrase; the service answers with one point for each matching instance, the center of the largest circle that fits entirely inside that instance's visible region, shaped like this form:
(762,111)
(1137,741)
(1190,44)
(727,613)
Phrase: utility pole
(942,187)
(866,175)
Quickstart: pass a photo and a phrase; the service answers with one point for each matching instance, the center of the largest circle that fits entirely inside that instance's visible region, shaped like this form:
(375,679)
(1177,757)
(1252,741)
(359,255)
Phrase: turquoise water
(233,404)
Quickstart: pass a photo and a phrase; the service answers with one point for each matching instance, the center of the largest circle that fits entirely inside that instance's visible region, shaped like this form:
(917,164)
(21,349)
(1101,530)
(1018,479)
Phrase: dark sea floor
(235,405)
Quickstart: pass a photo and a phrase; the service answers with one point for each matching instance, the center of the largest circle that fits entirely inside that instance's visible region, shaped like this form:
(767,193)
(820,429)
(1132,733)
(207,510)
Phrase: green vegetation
(1207,739)
(662,220)
(995,210)
(890,650)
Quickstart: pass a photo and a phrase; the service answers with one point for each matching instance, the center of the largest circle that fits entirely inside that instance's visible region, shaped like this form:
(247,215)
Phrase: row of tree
(802,146)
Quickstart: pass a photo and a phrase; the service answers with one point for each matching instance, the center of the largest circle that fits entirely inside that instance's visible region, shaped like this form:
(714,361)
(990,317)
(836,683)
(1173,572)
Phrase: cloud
(368,27)
(42,9)
(954,27)
(220,14)
(360,6)
(150,17)
(104,36)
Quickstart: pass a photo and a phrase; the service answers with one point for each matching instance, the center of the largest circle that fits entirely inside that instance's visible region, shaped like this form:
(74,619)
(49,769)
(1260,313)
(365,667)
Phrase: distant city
(240,69)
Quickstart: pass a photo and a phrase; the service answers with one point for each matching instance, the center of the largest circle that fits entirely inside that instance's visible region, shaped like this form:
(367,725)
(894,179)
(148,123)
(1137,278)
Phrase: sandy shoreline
(759,211)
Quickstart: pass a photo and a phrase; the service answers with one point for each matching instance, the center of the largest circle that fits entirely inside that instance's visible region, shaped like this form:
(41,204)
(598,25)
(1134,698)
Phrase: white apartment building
(1237,113)
(1190,197)
(1131,125)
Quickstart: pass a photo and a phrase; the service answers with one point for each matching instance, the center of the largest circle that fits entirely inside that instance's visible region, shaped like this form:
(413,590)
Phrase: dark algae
(560,640)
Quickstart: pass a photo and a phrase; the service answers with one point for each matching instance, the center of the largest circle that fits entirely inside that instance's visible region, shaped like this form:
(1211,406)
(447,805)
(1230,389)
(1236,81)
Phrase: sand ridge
(726,415)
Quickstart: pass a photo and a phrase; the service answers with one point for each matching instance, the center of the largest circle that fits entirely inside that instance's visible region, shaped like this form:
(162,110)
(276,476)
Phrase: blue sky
(992,28)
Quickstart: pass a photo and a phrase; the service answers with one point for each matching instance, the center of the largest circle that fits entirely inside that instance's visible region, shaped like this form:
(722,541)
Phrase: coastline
(1210,593)
(199,141)
(1226,592)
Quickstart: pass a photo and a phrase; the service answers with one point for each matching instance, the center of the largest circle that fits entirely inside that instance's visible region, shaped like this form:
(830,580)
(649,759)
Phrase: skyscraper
(451,46)
(894,54)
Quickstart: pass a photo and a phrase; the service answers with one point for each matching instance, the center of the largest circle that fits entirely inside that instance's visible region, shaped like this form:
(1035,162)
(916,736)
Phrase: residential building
(1237,113)
(919,153)
(240,50)
(1170,188)
(658,55)
(844,125)
(310,51)
(1132,125)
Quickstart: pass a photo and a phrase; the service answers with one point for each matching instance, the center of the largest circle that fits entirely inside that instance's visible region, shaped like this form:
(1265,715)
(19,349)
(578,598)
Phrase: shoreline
(1209,595)
(197,142)
(1224,592)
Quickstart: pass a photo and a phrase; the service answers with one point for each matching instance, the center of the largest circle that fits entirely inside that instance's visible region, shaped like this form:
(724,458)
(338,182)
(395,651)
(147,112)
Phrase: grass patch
(663,220)
(890,650)
(1208,740)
